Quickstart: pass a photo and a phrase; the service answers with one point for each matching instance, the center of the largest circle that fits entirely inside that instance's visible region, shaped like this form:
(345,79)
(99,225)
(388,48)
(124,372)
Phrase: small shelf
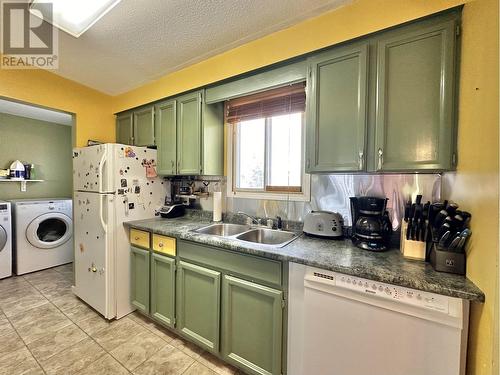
(22,183)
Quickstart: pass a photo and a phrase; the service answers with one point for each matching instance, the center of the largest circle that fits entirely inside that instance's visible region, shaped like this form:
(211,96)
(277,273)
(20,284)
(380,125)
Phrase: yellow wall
(94,119)
(475,184)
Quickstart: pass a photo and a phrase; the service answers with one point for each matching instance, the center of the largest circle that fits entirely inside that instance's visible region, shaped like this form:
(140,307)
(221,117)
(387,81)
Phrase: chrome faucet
(254,219)
(269,221)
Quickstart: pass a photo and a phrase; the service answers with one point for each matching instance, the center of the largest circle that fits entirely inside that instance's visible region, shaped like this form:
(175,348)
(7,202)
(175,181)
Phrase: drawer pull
(137,238)
(160,244)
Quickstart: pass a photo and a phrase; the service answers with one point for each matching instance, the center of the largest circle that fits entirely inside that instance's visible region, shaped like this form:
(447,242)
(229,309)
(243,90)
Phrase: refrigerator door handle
(103,189)
(101,210)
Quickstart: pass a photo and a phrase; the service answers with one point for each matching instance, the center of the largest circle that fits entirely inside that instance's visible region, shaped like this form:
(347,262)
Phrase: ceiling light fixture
(74,16)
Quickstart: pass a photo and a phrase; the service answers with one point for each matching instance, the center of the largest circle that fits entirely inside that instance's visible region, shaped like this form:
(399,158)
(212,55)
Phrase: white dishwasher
(345,325)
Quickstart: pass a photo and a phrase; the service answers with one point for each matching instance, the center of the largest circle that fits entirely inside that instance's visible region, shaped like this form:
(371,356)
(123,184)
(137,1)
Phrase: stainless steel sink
(247,233)
(223,229)
(265,236)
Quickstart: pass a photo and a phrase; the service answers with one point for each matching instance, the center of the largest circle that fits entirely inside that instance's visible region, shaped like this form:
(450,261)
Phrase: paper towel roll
(217,206)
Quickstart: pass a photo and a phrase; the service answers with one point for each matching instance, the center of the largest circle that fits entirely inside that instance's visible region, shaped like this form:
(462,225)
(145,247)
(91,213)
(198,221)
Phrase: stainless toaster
(323,224)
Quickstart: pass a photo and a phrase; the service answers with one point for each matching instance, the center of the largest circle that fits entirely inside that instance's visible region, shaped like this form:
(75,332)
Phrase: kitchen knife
(410,222)
(417,222)
(443,229)
(439,219)
(464,236)
(458,222)
(418,200)
(425,219)
(452,209)
(426,213)
(434,210)
(467,217)
(455,240)
(407,210)
(443,239)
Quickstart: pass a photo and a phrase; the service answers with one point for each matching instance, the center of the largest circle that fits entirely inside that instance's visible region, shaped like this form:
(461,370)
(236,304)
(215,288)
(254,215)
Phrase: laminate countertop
(334,255)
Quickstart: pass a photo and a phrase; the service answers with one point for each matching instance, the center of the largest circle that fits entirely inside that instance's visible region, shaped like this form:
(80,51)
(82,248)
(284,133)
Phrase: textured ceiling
(141,40)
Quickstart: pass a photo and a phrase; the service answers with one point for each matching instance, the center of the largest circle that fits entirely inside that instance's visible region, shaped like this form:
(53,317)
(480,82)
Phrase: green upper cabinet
(162,306)
(336,109)
(124,129)
(198,304)
(166,136)
(386,103)
(139,288)
(189,134)
(144,127)
(136,127)
(252,319)
(414,127)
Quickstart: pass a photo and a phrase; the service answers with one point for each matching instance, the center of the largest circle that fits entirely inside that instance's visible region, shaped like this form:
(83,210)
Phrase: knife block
(447,261)
(409,248)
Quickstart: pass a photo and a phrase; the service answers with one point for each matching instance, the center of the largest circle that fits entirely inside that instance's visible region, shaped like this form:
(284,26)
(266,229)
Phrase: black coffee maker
(371,226)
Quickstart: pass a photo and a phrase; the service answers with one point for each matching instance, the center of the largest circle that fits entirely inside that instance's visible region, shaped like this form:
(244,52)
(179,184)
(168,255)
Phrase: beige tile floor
(45,329)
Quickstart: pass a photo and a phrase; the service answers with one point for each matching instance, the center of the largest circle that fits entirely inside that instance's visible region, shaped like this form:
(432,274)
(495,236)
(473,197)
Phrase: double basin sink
(247,233)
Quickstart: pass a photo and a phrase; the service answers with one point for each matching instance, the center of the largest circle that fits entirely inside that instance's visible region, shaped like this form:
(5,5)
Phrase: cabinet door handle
(380,158)
(178,165)
(361,160)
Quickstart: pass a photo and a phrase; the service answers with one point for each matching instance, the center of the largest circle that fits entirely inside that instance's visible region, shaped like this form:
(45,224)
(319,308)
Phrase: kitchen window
(266,145)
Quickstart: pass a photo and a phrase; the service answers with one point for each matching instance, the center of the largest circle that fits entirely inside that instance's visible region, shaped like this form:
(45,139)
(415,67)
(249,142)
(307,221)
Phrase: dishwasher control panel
(382,290)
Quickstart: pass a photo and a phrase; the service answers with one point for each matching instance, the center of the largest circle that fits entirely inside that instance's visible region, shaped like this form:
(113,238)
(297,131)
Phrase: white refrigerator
(112,184)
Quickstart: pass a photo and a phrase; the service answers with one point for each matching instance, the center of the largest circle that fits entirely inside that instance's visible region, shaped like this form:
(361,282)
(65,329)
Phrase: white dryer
(5,240)
(43,233)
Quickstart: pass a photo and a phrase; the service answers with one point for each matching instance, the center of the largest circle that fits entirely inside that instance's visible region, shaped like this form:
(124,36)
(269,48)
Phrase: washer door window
(3,237)
(49,230)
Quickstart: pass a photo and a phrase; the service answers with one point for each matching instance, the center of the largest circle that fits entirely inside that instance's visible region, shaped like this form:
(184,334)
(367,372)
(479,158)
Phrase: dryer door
(49,230)
(3,237)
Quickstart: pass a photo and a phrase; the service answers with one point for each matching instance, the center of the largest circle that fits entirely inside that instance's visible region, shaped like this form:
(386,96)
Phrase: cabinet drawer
(139,238)
(163,244)
(250,267)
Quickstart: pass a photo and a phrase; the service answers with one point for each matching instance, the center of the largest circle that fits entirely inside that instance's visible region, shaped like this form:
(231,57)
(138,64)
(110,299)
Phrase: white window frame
(303,196)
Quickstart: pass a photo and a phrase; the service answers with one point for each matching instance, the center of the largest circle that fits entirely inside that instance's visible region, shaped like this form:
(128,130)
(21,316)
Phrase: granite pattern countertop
(335,255)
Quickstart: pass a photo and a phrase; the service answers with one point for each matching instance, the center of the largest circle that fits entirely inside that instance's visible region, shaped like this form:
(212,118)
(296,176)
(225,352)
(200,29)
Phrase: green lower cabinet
(252,319)
(198,304)
(162,307)
(139,289)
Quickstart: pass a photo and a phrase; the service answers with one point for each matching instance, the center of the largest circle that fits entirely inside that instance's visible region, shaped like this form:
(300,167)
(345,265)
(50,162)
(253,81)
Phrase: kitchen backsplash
(332,192)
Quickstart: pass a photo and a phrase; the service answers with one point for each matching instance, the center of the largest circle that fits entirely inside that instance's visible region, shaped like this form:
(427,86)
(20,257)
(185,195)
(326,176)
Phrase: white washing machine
(5,240)
(43,232)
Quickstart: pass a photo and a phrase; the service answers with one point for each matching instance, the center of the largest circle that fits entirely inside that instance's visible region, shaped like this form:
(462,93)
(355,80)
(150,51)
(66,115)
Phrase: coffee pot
(371,226)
